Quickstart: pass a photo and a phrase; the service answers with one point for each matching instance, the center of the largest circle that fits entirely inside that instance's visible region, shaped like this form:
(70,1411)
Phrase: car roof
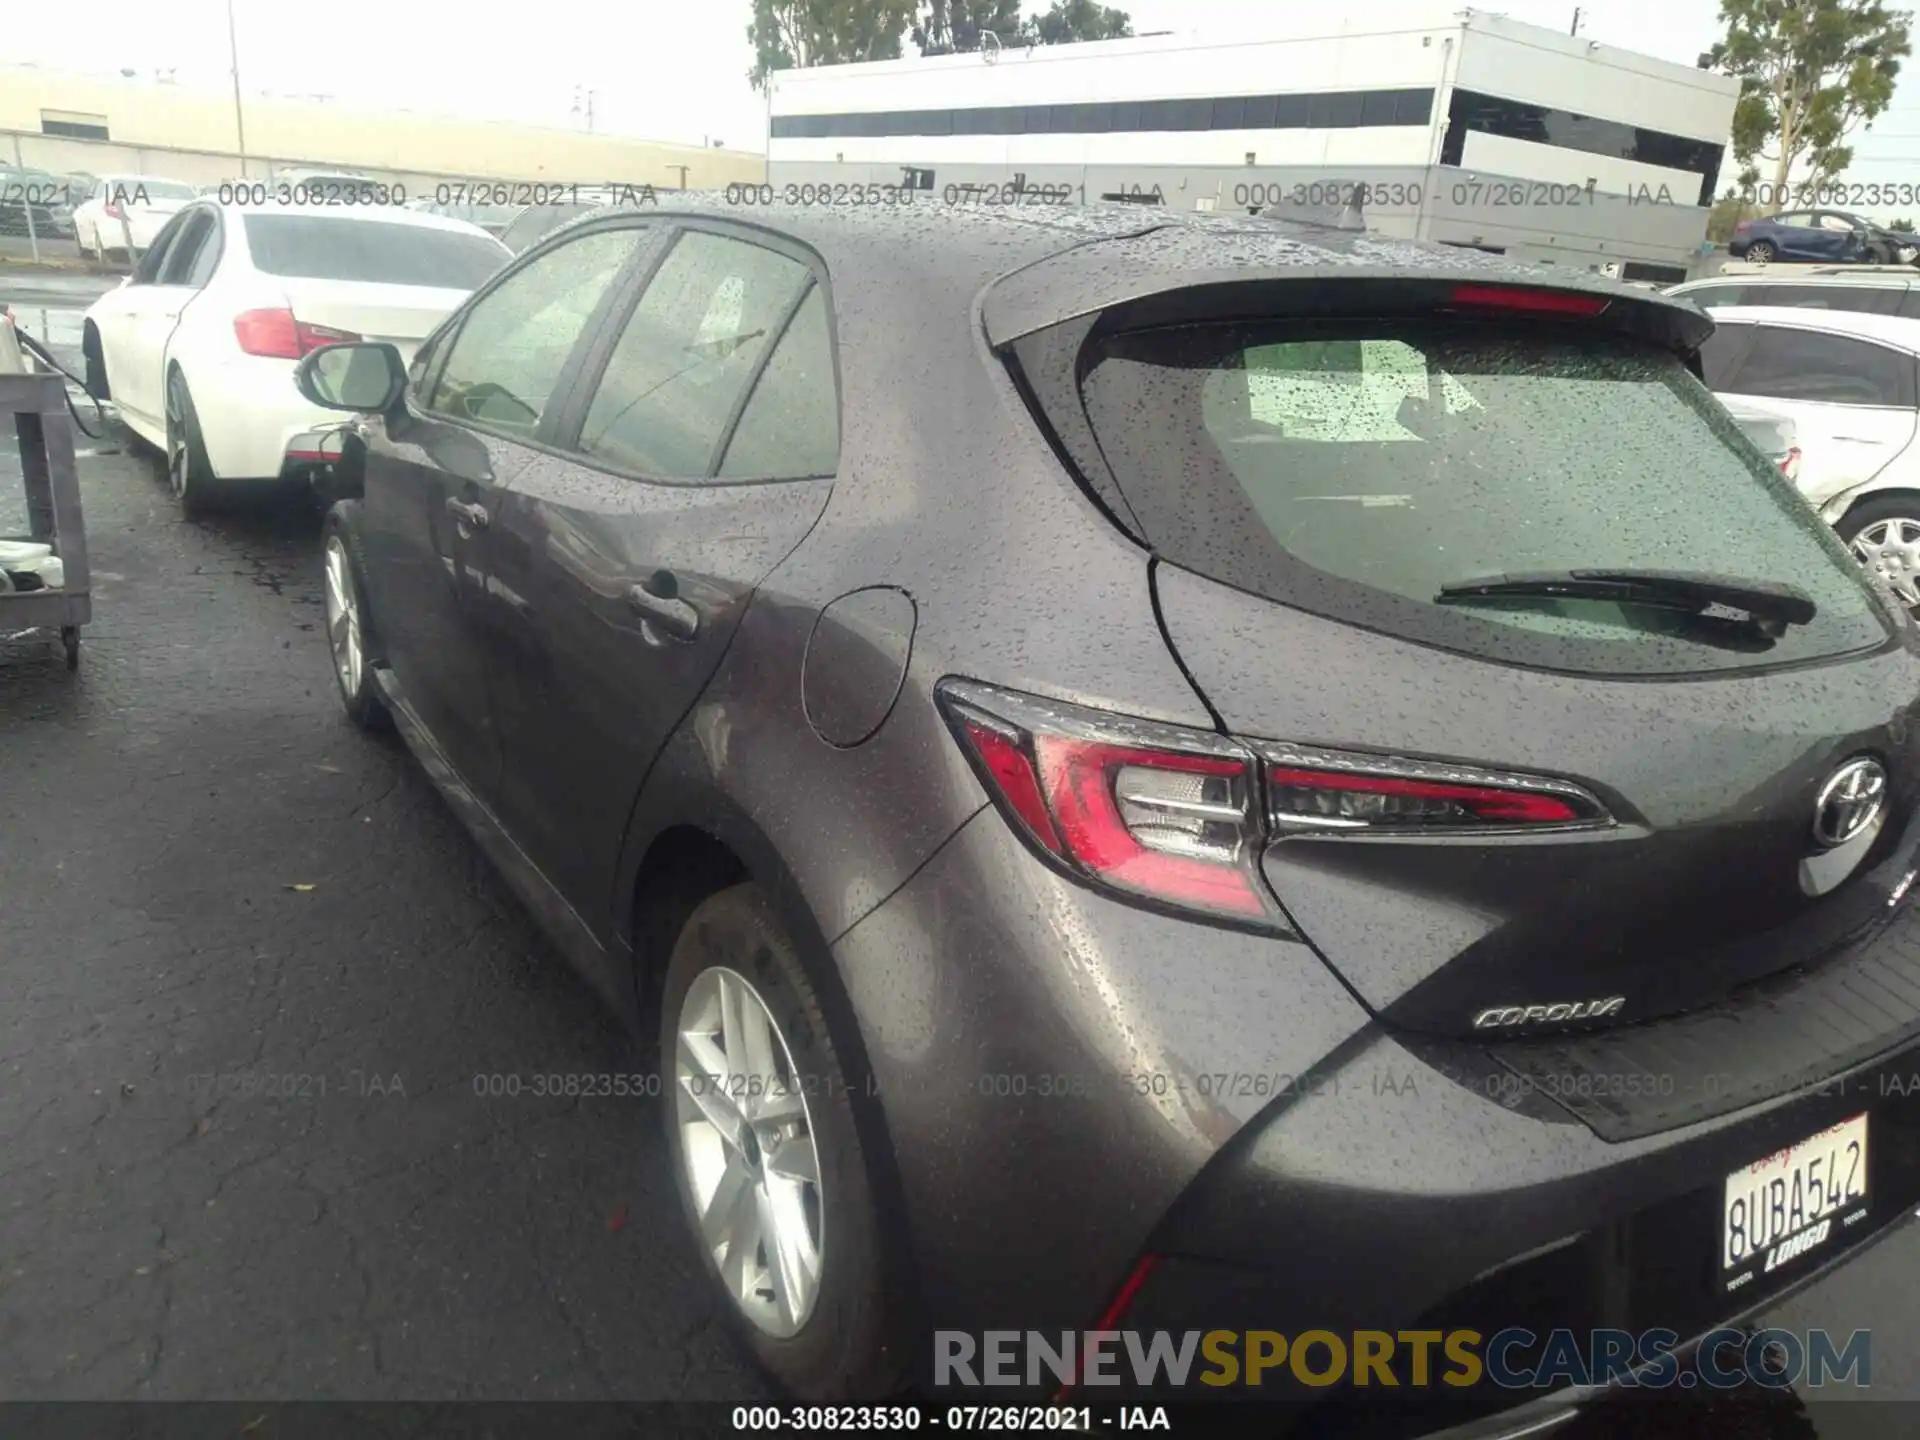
(1895,330)
(1050,263)
(1881,277)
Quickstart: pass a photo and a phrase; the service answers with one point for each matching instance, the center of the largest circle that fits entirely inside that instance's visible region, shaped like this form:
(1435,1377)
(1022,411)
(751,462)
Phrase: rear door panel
(588,683)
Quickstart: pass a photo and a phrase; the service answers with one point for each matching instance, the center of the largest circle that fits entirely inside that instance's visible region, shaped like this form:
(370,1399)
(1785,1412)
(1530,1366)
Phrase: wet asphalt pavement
(250,968)
(252,976)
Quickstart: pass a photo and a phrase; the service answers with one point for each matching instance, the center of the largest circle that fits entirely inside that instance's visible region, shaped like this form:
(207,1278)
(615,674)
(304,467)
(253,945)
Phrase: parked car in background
(28,199)
(326,186)
(536,222)
(494,219)
(197,347)
(1870,289)
(126,212)
(1851,384)
(1819,235)
(1773,434)
(961,730)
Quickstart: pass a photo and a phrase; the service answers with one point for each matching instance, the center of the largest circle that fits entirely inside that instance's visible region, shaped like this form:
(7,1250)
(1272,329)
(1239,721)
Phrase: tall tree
(795,34)
(954,27)
(1071,20)
(1810,70)
(949,27)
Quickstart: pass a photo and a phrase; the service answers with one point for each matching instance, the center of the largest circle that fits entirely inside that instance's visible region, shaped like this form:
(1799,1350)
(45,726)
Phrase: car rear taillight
(1742,227)
(1323,790)
(1181,817)
(114,211)
(1526,301)
(1152,811)
(1790,463)
(276,335)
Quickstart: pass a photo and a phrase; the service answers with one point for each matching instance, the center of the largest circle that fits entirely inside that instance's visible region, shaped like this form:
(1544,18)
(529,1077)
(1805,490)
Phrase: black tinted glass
(687,354)
(1807,365)
(321,247)
(1356,471)
(791,426)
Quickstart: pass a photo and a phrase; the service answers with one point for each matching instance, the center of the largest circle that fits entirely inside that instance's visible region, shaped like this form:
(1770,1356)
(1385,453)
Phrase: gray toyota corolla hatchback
(1159,771)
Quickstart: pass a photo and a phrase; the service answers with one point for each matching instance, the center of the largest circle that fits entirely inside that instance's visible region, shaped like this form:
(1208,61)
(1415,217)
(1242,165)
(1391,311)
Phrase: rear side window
(791,426)
(1806,365)
(1355,470)
(1864,299)
(322,247)
(1710,295)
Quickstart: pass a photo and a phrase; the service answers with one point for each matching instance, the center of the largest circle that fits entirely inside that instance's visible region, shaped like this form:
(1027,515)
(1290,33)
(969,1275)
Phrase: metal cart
(36,406)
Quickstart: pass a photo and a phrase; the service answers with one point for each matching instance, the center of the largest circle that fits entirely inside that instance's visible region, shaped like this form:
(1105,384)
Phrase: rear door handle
(468,516)
(658,600)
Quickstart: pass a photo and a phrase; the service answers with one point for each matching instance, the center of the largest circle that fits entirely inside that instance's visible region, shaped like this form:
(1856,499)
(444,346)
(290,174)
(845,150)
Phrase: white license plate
(1793,1202)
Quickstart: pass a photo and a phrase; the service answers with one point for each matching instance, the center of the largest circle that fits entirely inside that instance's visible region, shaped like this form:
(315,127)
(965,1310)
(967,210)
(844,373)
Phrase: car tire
(1761,252)
(850,1344)
(350,636)
(98,385)
(189,473)
(1883,532)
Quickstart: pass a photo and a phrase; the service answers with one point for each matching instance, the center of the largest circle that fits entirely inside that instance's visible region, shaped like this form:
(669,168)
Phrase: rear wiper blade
(1718,596)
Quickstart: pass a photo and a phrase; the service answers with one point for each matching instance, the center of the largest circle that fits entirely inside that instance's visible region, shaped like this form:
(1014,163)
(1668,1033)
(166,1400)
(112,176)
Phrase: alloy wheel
(1890,549)
(177,457)
(746,1141)
(343,617)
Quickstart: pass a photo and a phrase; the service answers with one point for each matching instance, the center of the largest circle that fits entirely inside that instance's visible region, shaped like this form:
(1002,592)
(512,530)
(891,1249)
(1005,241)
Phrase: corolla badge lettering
(1501,1016)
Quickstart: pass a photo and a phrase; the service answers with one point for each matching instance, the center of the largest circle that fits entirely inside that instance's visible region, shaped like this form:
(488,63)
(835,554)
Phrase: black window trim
(1470,111)
(157,252)
(212,235)
(1911,360)
(218,242)
(456,324)
(586,383)
(1406,106)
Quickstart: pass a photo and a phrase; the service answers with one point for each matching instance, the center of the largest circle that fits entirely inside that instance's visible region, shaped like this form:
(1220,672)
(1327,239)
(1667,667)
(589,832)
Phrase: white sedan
(127,212)
(1850,382)
(197,347)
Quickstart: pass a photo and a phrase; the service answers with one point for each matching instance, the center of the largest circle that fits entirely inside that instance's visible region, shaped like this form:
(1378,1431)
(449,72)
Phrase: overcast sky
(661,70)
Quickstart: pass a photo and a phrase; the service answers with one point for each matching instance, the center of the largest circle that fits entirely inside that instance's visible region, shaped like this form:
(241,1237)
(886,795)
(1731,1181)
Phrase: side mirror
(363,376)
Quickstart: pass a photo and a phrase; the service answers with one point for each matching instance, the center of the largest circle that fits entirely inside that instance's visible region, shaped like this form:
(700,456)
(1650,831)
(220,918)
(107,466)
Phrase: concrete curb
(58,267)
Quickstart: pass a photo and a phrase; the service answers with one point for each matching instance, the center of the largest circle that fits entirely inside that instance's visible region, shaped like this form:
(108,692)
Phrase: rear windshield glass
(1355,470)
(318,247)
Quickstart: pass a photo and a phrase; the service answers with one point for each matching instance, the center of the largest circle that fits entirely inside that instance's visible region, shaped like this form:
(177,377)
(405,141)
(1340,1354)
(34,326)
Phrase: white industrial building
(1468,128)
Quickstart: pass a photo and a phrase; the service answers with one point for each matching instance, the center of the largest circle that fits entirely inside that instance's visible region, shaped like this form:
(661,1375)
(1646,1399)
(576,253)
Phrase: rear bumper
(251,414)
(1069,1083)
